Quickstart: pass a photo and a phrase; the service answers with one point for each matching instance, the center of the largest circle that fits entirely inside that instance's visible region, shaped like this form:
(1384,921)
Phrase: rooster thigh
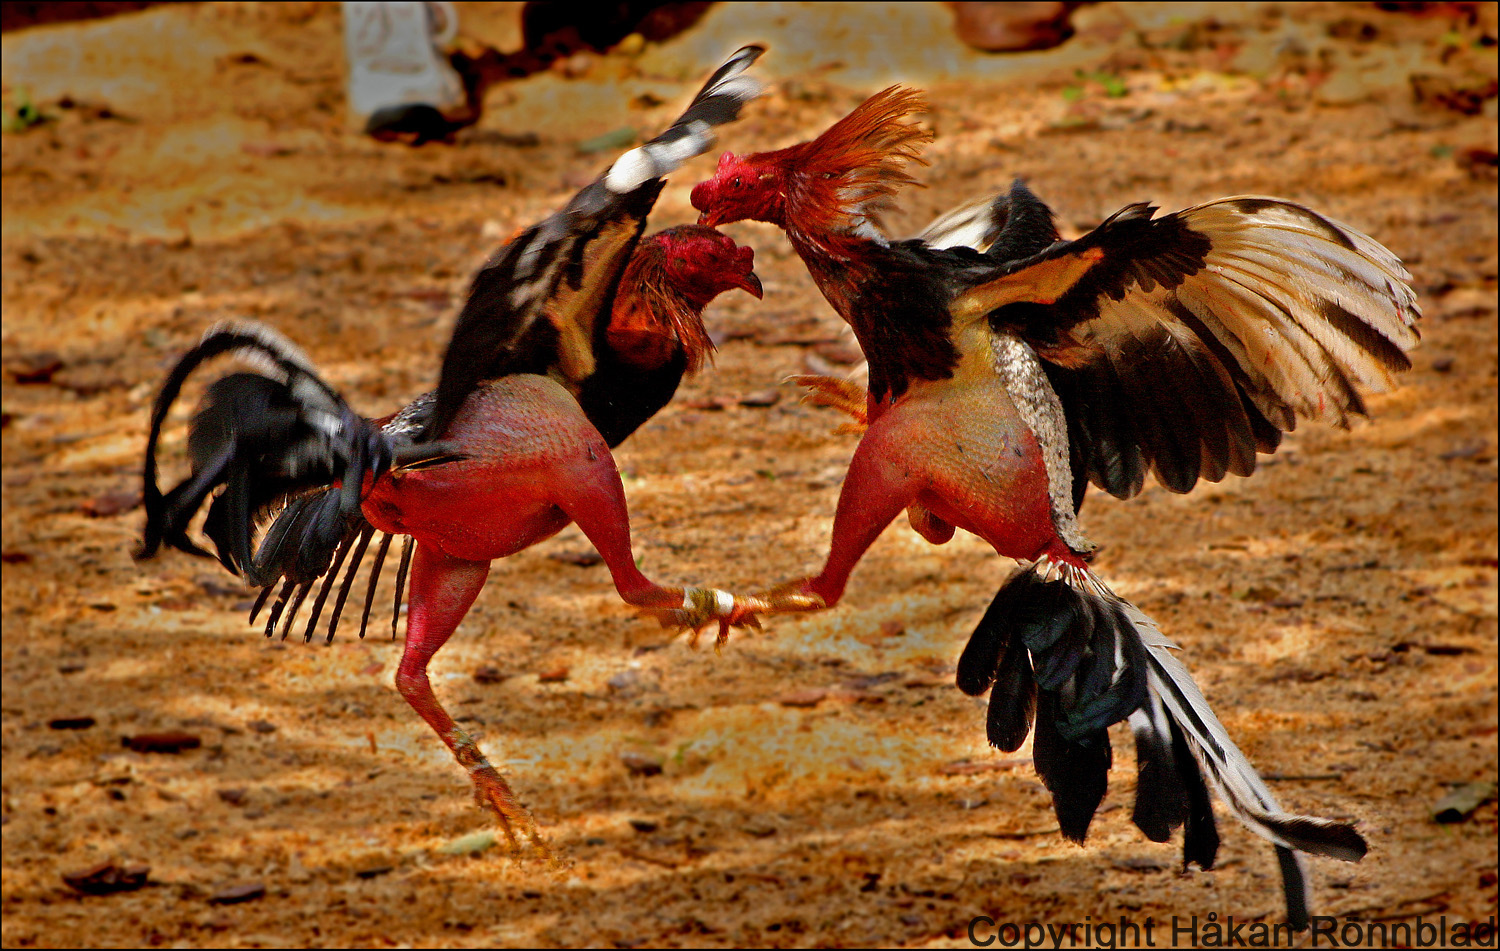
(534,463)
(956,456)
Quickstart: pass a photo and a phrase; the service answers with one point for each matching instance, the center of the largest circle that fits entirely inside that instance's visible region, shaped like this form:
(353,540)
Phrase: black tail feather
(362,544)
(1161,795)
(364,619)
(167,515)
(978,663)
(717,103)
(407,544)
(1098,660)
(1295,880)
(279,605)
(1073,642)
(329,578)
(1200,836)
(277,436)
(1013,700)
(298,596)
(1076,772)
(260,601)
(300,543)
(1029,226)
(993,656)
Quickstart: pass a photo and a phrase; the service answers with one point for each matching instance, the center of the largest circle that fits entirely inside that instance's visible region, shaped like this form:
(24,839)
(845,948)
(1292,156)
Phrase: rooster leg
(442,590)
(591,494)
(877,487)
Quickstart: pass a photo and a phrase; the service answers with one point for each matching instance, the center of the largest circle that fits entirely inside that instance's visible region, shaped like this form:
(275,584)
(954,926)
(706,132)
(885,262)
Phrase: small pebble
(761,399)
(171,742)
(111,503)
(71,723)
(803,698)
(639,764)
(471,844)
(107,878)
(235,797)
(234,894)
(624,680)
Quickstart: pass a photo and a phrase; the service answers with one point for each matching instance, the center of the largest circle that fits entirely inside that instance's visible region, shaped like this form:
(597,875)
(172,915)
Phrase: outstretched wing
(532,308)
(1187,343)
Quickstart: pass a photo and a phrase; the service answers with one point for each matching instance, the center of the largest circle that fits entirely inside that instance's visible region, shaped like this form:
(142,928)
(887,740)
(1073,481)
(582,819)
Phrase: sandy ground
(822,783)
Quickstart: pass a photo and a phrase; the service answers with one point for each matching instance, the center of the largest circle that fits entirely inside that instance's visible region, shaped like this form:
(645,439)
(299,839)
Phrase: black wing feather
(533,308)
(1215,327)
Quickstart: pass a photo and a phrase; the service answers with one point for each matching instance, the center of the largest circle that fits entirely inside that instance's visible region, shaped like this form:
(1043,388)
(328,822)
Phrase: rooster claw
(789,597)
(704,606)
(494,794)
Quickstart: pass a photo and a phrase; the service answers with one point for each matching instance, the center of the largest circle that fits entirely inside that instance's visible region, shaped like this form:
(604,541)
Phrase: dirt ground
(822,783)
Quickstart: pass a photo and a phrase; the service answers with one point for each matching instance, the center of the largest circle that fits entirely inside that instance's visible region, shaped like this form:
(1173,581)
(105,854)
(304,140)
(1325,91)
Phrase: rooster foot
(492,792)
(704,606)
(788,598)
(843,395)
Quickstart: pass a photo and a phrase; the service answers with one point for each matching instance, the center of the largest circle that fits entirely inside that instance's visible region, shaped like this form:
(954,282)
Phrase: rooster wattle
(1008,368)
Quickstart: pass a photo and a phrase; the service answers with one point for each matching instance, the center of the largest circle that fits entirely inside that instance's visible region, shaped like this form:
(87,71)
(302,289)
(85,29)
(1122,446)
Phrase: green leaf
(24,115)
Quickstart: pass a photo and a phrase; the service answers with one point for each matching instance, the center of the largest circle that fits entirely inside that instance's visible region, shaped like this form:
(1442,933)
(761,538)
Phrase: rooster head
(702,263)
(838,182)
(742,188)
(672,276)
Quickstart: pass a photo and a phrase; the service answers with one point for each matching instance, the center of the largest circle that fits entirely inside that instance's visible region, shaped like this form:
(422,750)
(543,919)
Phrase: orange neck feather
(651,319)
(845,177)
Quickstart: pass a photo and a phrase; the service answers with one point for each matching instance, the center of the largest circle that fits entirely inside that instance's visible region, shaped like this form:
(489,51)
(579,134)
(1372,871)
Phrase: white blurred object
(395,58)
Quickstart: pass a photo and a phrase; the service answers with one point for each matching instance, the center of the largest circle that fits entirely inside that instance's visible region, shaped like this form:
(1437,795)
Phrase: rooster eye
(738,182)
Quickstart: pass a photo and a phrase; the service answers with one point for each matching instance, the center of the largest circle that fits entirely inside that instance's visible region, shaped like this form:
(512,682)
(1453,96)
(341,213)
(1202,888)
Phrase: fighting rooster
(1008,368)
(575,334)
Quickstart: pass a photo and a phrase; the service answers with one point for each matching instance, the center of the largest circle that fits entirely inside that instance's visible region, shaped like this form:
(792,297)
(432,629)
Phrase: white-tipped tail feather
(1067,658)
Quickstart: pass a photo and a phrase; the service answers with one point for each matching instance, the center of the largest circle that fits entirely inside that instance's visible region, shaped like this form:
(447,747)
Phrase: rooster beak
(751,285)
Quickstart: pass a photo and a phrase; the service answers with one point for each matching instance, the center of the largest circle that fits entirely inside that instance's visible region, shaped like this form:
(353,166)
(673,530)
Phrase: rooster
(1008,369)
(575,334)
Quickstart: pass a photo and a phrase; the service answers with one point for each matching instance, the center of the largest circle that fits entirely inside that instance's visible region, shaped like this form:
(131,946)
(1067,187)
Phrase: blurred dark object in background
(14,16)
(553,30)
(1013,27)
(549,26)
(1468,12)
